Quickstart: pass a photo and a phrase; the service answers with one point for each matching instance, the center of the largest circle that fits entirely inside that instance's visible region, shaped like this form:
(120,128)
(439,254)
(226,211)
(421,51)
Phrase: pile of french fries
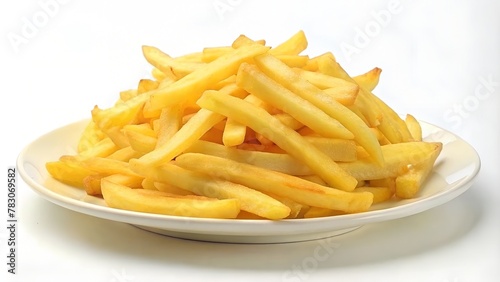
(249,131)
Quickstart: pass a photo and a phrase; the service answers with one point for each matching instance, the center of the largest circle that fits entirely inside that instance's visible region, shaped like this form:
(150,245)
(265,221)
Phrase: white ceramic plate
(454,172)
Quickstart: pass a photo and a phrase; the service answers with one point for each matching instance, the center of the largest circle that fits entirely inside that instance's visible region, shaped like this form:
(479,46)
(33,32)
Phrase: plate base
(242,239)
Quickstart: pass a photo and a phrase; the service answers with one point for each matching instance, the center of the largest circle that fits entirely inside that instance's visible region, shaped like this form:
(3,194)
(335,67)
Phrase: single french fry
(243,40)
(195,57)
(397,159)
(234,133)
(141,137)
(192,85)
(408,184)
(92,184)
(295,208)
(368,80)
(287,139)
(293,61)
(212,53)
(165,63)
(292,46)
(414,127)
(289,121)
(256,101)
(221,84)
(69,171)
(339,150)
(121,114)
(159,75)
(149,201)
(380,194)
(323,81)
(346,95)
(151,184)
(244,215)
(341,90)
(117,136)
(314,212)
(143,128)
(273,148)
(380,136)
(314,178)
(165,187)
(146,85)
(169,124)
(128,94)
(150,113)
(107,166)
(140,142)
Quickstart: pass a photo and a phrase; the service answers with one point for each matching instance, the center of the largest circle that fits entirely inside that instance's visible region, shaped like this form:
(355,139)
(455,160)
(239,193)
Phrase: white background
(440,62)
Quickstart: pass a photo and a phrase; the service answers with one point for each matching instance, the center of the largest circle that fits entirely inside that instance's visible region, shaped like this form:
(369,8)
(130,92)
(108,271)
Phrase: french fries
(297,189)
(202,184)
(289,140)
(300,86)
(150,201)
(252,132)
